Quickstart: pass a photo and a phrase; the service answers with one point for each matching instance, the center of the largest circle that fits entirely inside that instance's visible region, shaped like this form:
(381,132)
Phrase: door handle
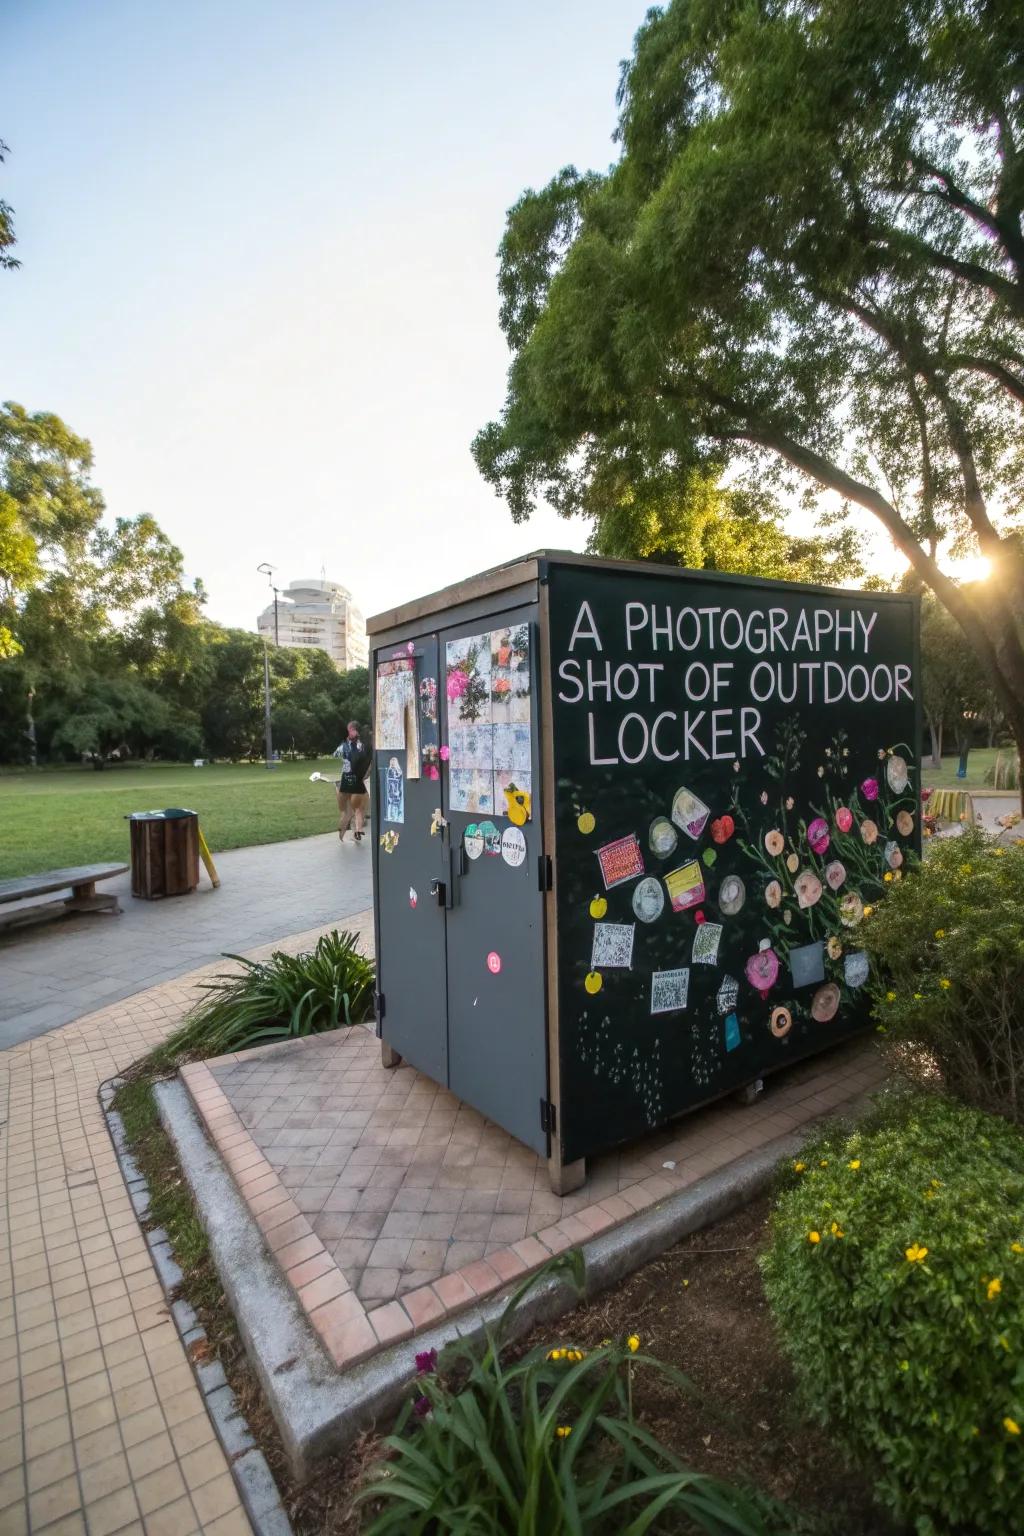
(439,890)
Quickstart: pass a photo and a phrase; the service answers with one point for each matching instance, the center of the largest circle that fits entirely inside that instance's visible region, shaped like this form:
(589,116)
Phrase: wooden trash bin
(164,853)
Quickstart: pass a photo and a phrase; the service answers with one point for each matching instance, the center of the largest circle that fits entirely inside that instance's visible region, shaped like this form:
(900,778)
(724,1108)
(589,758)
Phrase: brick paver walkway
(102,1428)
(388,1203)
(56,972)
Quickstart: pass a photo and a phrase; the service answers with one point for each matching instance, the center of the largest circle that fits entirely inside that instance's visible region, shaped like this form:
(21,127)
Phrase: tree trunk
(935,731)
(30,729)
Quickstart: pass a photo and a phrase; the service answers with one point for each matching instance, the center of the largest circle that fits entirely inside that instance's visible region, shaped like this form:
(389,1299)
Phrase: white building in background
(318,613)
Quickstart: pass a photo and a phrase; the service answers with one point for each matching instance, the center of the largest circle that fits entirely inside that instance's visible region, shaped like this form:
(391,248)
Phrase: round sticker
(808,888)
(825,1003)
(856,968)
(494,962)
(709,856)
(586,822)
(780,1023)
(593,981)
(649,900)
(598,907)
(896,773)
(513,846)
(473,841)
(732,893)
(835,874)
(662,837)
(491,837)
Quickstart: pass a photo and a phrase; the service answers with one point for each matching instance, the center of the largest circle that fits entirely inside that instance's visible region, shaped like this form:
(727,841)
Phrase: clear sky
(258,264)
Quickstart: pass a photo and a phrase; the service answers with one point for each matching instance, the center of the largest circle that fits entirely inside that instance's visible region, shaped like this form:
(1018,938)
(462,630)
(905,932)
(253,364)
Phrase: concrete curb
(317,1409)
(253,1477)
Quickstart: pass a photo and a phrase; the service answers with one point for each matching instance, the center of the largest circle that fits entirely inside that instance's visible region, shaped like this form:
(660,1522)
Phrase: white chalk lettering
(578,631)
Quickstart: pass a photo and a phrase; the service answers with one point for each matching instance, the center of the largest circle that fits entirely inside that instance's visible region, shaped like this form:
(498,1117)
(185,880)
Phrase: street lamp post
(268,571)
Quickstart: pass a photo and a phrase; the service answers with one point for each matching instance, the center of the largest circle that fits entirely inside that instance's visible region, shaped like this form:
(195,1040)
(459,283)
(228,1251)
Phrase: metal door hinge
(545,873)
(548,1117)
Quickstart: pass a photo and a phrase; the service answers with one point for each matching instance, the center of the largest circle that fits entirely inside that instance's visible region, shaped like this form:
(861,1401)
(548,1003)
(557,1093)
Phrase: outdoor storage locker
(628,821)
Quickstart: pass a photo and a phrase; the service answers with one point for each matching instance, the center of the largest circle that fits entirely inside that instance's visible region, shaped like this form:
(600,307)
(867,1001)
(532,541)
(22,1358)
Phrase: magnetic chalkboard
(736,770)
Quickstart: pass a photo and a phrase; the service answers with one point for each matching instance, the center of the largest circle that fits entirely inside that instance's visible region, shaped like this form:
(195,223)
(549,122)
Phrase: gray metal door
(413,880)
(497,1042)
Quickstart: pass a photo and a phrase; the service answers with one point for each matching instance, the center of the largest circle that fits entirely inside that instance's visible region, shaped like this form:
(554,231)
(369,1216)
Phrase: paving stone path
(55,972)
(102,1427)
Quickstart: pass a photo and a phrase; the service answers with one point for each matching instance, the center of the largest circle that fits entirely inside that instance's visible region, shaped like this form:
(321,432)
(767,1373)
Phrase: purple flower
(817,835)
(426,1363)
(421,1407)
(869,789)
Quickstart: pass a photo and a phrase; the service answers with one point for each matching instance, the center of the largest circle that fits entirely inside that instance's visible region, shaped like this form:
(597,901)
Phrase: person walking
(353,800)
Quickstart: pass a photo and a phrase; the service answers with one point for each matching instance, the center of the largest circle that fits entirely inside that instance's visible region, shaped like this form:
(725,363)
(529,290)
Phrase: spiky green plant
(287,996)
(547,1444)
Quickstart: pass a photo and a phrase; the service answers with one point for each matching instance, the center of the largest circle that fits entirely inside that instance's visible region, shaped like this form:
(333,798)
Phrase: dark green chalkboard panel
(788,718)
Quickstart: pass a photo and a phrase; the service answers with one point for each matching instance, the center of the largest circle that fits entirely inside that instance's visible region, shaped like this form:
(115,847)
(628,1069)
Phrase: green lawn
(979,760)
(62,816)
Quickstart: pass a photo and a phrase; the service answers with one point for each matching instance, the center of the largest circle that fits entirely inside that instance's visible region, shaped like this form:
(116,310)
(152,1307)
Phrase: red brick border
(348,1330)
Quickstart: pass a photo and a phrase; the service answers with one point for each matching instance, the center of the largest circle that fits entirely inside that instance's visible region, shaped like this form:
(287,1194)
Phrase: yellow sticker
(593,982)
(598,907)
(517,806)
(586,822)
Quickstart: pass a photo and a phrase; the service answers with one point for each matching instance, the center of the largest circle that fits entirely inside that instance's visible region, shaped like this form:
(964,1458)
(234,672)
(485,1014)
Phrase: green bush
(546,1445)
(949,946)
(280,998)
(895,1274)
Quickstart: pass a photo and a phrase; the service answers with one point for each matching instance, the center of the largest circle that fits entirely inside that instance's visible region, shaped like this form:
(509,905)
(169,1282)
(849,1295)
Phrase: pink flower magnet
(444,754)
(817,835)
(762,970)
(869,789)
(844,818)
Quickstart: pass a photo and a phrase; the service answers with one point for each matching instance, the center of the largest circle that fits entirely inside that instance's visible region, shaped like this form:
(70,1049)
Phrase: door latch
(439,890)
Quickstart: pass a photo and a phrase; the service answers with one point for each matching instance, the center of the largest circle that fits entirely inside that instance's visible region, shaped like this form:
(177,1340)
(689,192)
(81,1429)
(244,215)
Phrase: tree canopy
(104,645)
(808,258)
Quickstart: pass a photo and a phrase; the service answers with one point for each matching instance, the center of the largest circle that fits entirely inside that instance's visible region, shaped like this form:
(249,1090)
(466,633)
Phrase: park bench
(81,878)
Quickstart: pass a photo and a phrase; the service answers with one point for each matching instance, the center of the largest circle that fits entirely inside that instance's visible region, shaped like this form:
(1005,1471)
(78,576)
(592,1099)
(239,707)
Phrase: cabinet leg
(564,1178)
(388,1057)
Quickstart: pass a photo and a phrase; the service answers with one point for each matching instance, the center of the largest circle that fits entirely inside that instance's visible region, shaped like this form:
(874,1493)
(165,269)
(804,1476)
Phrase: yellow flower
(994,1287)
(574,1355)
(814,1237)
(557,1354)
(890,997)
(915,1254)
(1011,1426)
(837,1230)
(823,1163)
(868,911)
(799,1167)
(887,877)
(940,933)
(563,1431)
(945,984)
(854,1162)
(965,869)
(904,1365)
(1017,1247)
(917,997)
(633,1343)
(936,1183)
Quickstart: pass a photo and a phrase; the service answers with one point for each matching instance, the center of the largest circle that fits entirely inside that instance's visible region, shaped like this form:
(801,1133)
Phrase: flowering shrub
(546,1444)
(895,1273)
(949,942)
